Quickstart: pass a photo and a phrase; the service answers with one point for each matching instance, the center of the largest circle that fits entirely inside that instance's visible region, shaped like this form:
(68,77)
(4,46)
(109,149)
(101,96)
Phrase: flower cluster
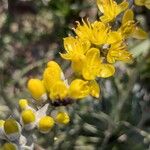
(98,45)
(92,52)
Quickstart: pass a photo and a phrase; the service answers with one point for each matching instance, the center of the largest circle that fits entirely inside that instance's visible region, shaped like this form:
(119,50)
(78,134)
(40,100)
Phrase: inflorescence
(92,52)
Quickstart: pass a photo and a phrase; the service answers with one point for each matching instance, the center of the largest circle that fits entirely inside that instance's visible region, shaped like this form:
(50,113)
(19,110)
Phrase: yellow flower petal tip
(28,116)
(45,124)
(23,104)
(53,63)
(10,146)
(94,89)
(62,118)
(37,89)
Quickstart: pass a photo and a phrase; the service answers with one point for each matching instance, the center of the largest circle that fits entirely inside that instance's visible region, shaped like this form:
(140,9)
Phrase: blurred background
(31,33)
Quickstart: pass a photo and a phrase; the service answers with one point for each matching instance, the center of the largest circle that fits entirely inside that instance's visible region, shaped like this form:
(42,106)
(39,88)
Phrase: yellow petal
(110,58)
(118,52)
(99,33)
(75,48)
(100,6)
(66,56)
(106,70)
(139,33)
(77,67)
(123,6)
(79,89)
(114,36)
(58,91)
(51,74)
(84,31)
(128,16)
(94,88)
(91,64)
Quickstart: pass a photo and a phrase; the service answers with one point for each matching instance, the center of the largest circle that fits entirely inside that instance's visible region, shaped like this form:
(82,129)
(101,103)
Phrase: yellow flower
(51,74)
(62,118)
(75,48)
(23,104)
(84,31)
(92,66)
(79,89)
(37,89)
(59,91)
(110,9)
(95,32)
(145,3)
(129,27)
(99,33)
(118,51)
(45,124)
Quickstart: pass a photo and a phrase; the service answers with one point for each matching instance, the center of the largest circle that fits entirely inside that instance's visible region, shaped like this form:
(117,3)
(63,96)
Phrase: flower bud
(62,118)
(37,89)
(10,146)
(51,74)
(12,129)
(45,124)
(23,104)
(28,118)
